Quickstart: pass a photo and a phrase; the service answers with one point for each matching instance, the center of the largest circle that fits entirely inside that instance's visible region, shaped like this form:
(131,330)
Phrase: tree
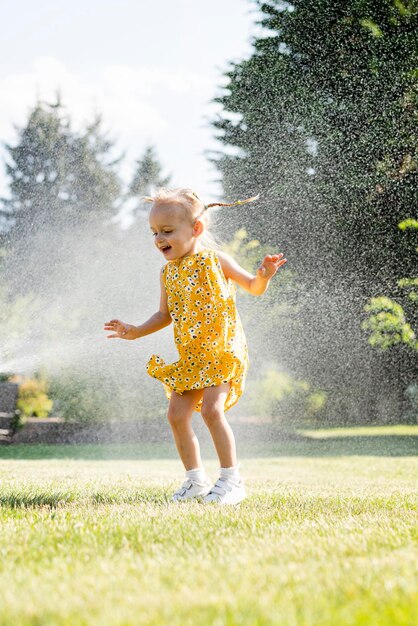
(58,176)
(323,126)
(147,177)
(325,129)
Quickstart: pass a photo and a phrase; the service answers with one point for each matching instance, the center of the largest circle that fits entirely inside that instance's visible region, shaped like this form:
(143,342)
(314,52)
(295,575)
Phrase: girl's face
(174,234)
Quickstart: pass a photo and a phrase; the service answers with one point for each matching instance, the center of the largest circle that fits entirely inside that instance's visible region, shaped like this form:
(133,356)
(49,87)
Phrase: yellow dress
(207,329)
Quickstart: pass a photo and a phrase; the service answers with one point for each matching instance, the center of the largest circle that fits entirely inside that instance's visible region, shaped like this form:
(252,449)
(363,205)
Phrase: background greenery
(324,128)
(322,122)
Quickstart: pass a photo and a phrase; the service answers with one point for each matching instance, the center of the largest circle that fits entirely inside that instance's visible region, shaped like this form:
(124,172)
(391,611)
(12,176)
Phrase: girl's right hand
(121,330)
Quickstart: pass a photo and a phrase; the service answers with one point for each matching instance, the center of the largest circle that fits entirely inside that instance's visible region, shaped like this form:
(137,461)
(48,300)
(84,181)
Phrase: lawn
(324,538)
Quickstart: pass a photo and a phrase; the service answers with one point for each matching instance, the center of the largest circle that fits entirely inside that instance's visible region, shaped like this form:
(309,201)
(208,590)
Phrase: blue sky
(151,68)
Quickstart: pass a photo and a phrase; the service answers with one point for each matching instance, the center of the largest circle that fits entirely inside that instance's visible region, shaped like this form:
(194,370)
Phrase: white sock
(198,474)
(231,473)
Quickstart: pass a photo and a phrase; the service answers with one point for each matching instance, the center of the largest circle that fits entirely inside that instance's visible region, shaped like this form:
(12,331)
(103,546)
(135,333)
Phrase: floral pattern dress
(207,329)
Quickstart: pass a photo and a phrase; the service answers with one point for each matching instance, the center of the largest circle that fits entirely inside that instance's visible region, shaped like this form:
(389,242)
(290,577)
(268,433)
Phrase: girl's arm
(256,285)
(159,320)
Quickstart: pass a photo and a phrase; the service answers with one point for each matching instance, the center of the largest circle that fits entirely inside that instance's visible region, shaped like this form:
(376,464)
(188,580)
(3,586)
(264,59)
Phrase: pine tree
(58,176)
(322,121)
(146,179)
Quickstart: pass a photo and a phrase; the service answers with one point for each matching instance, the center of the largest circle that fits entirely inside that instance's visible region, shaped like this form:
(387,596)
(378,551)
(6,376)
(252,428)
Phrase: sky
(150,68)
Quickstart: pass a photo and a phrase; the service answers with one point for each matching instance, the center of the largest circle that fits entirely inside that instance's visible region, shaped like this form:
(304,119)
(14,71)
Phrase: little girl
(198,296)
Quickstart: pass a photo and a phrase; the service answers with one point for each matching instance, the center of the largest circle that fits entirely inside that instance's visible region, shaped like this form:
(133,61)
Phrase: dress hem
(238,374)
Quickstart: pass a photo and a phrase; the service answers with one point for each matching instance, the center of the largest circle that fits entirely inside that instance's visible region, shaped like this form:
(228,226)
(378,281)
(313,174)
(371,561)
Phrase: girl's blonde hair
(193,207)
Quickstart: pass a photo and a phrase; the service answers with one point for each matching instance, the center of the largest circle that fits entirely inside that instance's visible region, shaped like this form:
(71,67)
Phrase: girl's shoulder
(224,259)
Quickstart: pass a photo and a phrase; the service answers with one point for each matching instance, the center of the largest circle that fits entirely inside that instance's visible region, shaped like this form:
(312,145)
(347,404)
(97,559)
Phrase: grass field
(324,538)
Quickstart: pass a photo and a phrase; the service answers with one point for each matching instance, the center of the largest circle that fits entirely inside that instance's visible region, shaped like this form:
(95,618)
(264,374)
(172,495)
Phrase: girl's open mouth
(165,249)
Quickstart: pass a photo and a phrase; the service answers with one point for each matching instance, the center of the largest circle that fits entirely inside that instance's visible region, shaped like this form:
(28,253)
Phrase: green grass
(320,541)
(369,441)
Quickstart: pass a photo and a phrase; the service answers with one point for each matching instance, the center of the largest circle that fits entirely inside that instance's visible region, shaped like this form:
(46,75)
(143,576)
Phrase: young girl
(198,296)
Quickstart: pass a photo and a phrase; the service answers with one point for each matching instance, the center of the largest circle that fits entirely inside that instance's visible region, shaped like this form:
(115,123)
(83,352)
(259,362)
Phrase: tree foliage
(58,175)
(386,318)
(146,179)
(321,121)
(148,174)
(322,118)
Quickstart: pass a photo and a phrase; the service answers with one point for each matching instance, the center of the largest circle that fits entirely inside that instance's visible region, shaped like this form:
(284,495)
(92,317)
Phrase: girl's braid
(208,206)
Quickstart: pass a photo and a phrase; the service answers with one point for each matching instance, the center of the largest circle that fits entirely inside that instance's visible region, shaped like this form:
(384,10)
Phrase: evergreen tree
(322,118)
(58,176)
(146,179)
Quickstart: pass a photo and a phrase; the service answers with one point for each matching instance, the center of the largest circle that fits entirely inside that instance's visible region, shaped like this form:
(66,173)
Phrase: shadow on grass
(55,499)
(283,444)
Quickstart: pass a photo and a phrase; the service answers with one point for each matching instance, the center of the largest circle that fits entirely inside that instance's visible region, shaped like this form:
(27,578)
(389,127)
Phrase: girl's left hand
(270,264)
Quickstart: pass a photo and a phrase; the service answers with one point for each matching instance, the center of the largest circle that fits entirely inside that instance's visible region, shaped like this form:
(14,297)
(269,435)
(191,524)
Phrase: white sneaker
(226,491)
(191,489)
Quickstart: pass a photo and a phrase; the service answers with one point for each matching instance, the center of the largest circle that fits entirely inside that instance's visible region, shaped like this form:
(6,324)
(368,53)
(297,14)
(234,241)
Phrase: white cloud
(112,91)
(122,93)
(137,103)
(125,95)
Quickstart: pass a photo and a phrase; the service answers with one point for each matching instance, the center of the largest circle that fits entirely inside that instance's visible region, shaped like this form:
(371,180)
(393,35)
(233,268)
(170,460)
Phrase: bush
(84,396)
(32,399)
(77,399)
(283,398)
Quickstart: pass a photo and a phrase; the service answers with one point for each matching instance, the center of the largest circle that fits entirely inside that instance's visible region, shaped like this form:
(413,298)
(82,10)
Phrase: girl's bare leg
(180,411)
(214,417)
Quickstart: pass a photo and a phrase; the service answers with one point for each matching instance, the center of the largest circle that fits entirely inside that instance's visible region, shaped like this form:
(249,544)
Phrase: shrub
(283,398)
(32,399)
(86,396)
(77,399)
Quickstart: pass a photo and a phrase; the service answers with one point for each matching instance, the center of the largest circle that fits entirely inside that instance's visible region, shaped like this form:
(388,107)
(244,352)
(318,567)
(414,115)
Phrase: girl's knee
(176,418)
(212,412)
